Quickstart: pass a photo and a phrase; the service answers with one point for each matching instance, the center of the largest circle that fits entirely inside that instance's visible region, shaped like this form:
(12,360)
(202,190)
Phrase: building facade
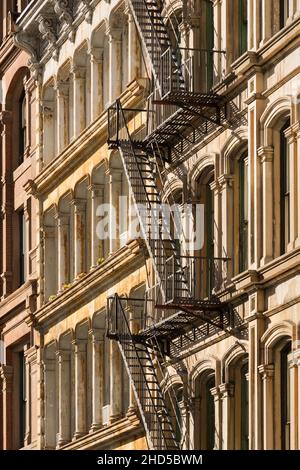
(123,342)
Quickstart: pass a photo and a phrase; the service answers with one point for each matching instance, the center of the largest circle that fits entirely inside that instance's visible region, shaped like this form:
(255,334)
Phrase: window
(243,213)
(210,421)
(243,26)
(22,397)
(22,247)
(210,42)
(209,224)
(22,126)
(244,408)
(284,190)
(284,12)
(285,403)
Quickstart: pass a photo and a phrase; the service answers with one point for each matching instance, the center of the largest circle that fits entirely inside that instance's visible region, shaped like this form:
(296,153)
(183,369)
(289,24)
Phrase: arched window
(22,126)
(284,12)
(244,438)
(210,417)
(243,213)
(285,392)
(207,272)
(243,26)
(284,190)
(204,417)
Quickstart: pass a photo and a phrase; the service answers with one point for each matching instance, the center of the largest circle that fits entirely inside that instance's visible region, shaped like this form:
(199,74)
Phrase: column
(27,217)
(97,245)
(266,10)
(227,391)
(133,49)
(79,236)
(50,262)
(64,389)
(267,373)
(218,417)
(115,188)
(266,155)
(292,151)
(293,371)
(226,185)
(63,249)
(96,54)
(115,382)
(115,66)
(28,87)
(296,129)
(80,388)
(48,141)
(79,108)
(297,358)
(62,97)
(97,339)
(7,198)
(6,375)
(50,391)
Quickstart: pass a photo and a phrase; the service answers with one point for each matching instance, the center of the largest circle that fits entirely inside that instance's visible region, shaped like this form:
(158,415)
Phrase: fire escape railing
(158,419)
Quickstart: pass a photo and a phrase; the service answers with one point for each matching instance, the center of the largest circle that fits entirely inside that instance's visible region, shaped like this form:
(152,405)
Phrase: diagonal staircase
(155,37)
(142,372)
(141,174)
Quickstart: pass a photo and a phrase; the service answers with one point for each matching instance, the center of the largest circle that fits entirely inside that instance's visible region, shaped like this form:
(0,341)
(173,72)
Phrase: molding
(114,435)
(95,282)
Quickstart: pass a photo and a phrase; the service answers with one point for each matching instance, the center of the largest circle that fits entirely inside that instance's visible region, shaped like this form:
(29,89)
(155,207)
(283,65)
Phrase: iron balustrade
(201,70)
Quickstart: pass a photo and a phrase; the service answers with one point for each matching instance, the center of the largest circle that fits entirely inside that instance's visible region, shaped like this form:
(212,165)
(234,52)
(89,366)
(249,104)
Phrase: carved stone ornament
(61,8)
(46,29)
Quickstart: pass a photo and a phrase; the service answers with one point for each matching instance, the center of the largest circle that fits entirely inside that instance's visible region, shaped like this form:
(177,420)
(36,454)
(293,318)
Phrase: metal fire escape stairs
(195,110)
(179,310)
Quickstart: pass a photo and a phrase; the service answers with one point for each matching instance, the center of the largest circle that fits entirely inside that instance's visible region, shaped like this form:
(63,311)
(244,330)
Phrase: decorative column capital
(79,72)
(227,390)
(62,88)
(216,393)
(96,189)
(266,154)
(79,204)
(63,354)
(225,181)
(266,371)
(290,135)
(97,335)
(96,54)
(215,186)
(5,117)
(79,345)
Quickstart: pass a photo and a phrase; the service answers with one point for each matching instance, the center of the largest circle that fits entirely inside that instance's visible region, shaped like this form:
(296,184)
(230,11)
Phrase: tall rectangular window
(243,213)
(284,12)
(22,247)
(284,190)
(22,397)
(243,26)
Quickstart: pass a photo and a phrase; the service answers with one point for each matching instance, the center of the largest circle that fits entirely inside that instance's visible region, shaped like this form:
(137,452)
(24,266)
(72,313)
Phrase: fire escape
(179,112)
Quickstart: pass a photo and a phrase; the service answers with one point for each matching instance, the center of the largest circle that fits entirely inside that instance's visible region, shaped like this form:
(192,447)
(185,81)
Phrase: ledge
(99,279)
(17,297)
(114,435)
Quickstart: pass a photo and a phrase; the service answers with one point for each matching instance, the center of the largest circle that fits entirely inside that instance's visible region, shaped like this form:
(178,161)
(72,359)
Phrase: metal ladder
(154,34)
(144,381)
(141,175)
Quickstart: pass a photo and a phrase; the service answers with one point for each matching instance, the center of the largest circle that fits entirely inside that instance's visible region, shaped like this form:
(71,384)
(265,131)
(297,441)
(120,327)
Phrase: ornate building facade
(207,112)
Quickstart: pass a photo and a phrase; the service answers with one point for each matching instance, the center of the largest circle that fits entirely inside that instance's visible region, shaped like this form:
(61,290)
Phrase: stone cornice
(47,24)
(83,290)
(88,141)
(17,297)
